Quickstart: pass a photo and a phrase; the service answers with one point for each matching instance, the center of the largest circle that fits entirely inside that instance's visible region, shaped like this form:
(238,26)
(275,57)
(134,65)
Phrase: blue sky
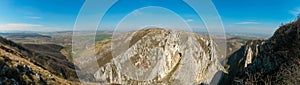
(262,16)
(38,15)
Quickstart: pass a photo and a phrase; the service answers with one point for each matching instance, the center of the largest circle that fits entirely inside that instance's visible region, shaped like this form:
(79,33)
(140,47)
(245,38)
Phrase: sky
(257,16)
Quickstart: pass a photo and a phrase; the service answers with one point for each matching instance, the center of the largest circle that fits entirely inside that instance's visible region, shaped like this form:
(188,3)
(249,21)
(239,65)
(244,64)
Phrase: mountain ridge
(162,55)
(272,61)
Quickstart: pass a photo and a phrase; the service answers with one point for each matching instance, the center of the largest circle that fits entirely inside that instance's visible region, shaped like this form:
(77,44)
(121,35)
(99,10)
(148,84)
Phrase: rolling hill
(34,64)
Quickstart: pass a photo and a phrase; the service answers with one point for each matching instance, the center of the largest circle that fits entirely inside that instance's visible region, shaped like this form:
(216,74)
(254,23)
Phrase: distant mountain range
(23,35)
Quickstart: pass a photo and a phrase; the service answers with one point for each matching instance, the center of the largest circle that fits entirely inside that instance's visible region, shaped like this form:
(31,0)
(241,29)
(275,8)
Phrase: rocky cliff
(158,56)
(272,61)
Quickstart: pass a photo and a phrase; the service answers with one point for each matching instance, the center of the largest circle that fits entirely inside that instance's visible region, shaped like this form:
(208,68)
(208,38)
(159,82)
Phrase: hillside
(272,61)
(156,56)
(20,65)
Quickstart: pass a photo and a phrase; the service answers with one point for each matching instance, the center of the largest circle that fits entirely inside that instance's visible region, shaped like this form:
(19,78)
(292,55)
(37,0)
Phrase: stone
(159,57)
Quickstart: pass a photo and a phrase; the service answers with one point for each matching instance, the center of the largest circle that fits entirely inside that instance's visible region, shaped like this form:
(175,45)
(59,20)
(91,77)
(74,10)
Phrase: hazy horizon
(239,17)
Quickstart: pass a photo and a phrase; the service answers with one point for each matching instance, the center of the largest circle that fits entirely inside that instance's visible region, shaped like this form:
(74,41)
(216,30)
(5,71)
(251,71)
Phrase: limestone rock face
(157,56)
(272,61)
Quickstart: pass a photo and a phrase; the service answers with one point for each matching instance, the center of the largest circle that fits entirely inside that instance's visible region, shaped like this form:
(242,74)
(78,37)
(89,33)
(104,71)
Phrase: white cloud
(18,26)
(33,17)
(189,20)
(247,23)
(27,27)
(295,12)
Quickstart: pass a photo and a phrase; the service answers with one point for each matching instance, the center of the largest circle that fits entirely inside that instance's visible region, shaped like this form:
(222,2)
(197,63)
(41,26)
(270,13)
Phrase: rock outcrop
(272,61)
(158,56)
